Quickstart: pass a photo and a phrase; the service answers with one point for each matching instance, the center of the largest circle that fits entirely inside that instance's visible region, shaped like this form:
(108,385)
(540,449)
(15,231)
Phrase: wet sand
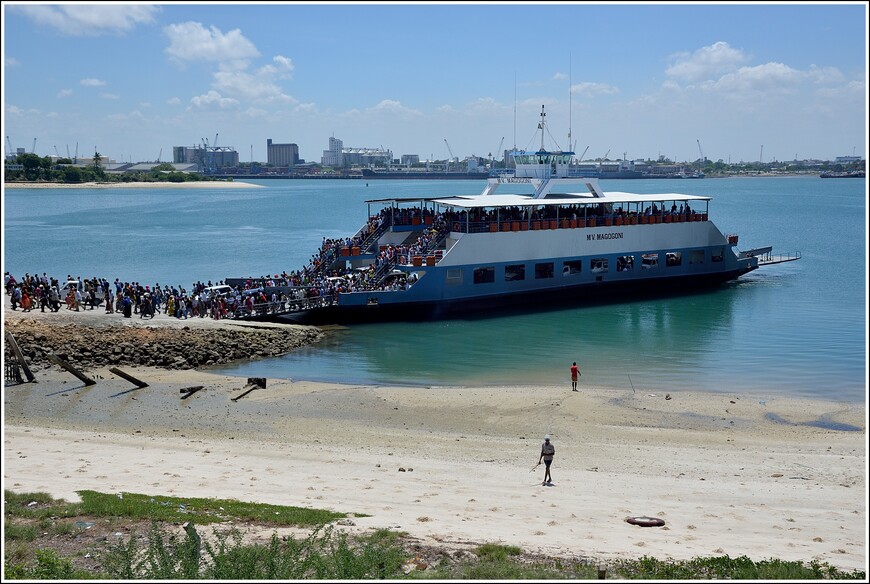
(760,476)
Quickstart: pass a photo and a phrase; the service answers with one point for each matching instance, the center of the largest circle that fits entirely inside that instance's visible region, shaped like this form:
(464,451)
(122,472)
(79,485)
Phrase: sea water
(796,328)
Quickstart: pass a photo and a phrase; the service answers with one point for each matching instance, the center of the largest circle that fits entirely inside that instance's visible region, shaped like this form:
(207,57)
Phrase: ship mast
(541,127)
(569,103)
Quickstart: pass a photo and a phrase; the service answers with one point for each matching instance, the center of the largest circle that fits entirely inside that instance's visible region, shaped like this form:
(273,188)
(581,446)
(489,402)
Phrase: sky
(735,82)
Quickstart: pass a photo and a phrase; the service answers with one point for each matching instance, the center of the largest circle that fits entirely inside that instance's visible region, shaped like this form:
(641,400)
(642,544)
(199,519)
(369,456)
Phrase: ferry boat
(564,242)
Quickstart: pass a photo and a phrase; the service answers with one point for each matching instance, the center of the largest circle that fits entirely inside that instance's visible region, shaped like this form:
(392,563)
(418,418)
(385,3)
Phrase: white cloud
(282,69)
(256,87)
(706,63)
(90,19)
(12,110)
(174,101)
(110,96)
(64,93)
(133,116)
(255,112)
(305,108)
(855,88)
(767,78)
(590,89)
(825,74)
(394,108)
(559,77)
(213,99)
(11,62)
(90,82)
(191,41)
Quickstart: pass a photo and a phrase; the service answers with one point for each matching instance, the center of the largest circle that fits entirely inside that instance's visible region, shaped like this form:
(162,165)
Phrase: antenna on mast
(515,111)
(569,100)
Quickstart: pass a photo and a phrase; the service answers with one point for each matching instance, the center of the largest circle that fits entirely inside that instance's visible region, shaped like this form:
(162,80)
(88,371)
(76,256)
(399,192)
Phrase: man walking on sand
(547,452)
(575,373)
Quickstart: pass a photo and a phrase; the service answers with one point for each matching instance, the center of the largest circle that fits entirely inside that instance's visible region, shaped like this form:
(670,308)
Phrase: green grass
(725,567)
(200,511)
(324,554)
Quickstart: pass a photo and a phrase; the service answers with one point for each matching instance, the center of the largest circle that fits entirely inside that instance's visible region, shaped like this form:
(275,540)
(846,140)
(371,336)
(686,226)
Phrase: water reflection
(672,336)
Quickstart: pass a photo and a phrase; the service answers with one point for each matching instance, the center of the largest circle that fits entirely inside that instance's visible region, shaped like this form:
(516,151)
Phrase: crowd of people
(124,298)
(317,284)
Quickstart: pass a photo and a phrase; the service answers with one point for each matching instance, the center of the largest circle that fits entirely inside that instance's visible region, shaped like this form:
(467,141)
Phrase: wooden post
(137,382)
(238,397)
(58,361)
(20,356)
(602,572)
(189,391)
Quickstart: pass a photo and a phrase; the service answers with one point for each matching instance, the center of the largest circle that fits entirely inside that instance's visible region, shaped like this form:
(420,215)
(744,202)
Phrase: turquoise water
(797,328)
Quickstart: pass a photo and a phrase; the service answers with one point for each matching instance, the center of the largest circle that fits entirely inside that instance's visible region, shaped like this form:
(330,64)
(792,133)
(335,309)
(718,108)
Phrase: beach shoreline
(217,184)
(736,475)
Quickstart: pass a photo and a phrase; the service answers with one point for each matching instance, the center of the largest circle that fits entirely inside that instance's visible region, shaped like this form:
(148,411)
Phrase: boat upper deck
(518,200)
(506,200)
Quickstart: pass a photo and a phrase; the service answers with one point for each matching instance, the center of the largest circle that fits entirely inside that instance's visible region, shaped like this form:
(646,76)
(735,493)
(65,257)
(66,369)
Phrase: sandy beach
(217,184)
(760,475)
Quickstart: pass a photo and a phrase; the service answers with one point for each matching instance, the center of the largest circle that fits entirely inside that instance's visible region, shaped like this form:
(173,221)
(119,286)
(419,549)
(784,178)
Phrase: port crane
(11,152)
(451,154)
(498,150)
(701,152)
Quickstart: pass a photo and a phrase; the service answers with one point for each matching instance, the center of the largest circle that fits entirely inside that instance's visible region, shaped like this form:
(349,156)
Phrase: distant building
(410,159)
(366,156)
(207,158)
(282,154)
(333,156)
(339,156)
(847,159)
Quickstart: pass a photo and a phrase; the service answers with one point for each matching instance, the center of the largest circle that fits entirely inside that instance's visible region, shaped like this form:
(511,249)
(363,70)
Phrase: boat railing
(605,220)
(369,240)
(770,259)
(280,307)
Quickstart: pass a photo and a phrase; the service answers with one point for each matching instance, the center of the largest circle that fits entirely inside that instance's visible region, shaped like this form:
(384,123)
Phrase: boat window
(515,272)
(544,270)
(624,263)
(599,265)
(717,254)
(571,268)
(650,261)
(454,277)
(484,275)
(674,258)
(696,257)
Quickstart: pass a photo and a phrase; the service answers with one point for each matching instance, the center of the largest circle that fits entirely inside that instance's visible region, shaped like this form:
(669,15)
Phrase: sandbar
(757,475)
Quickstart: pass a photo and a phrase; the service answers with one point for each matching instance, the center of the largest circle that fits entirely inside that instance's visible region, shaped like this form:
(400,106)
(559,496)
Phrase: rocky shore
(184,347)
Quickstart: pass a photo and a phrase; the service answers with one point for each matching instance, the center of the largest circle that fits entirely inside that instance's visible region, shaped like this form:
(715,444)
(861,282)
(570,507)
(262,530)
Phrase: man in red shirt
(575,373)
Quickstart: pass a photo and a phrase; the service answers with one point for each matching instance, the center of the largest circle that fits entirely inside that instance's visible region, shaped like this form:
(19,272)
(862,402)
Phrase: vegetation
(43,541)
(34,168)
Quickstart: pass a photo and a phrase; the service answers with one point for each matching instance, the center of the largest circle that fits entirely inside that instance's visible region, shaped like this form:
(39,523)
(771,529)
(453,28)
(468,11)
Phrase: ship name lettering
(599,236)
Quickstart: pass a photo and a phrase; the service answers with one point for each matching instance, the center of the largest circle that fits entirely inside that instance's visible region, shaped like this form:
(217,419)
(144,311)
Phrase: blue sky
(643,79)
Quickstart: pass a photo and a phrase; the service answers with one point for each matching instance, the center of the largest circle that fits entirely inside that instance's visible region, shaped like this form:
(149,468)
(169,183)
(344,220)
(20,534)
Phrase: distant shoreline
(135,185)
